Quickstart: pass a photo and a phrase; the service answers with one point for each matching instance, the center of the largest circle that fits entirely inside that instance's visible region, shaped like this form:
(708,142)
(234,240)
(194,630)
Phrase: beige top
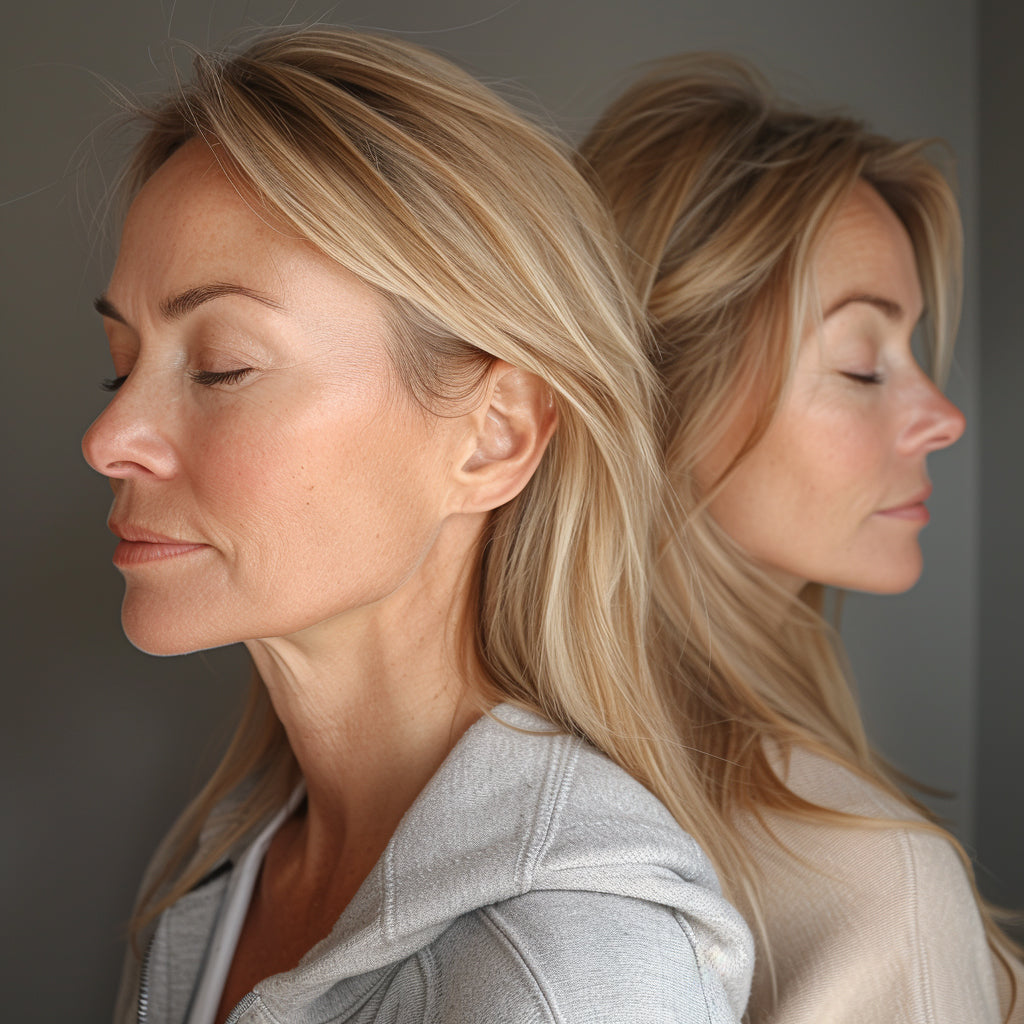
(886,931)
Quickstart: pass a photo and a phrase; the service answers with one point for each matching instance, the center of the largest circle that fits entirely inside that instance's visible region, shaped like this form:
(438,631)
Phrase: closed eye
(113,383)
(863,378)
(209,378)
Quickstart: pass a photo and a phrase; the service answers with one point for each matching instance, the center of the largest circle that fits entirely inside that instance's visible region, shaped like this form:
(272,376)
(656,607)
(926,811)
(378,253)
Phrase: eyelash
(864,378)
(207,378)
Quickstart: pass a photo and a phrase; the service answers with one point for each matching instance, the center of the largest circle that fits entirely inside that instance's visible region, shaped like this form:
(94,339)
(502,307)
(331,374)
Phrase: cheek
(247,478)
(340,493)
(808,468)
(842,452)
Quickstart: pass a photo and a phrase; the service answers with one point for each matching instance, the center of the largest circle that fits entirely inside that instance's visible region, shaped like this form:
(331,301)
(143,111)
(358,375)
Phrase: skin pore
(834,491)
(275,484)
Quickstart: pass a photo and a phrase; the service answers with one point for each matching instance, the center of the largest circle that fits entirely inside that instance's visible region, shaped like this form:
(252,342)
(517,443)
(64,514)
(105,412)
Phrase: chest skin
(290,912)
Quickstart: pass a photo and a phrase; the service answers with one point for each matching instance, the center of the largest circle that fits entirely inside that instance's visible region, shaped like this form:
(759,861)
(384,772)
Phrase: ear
(511,428)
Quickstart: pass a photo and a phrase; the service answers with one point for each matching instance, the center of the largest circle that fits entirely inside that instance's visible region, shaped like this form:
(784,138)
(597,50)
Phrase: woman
(785,259)
(380,413)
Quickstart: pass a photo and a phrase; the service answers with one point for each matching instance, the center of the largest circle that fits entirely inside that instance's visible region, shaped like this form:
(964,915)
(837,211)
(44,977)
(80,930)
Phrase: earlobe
(513,425)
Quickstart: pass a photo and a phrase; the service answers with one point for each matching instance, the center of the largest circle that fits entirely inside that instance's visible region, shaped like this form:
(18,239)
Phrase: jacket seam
(927,995)
(260,1007)
(702,965)
(428,964)
(494,922)
(558,782)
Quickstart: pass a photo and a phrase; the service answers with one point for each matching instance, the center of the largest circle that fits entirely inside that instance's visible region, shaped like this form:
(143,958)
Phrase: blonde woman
(381,413)
(785,259)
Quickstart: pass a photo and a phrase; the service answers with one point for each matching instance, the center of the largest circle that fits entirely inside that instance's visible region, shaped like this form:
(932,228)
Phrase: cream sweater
(883,929)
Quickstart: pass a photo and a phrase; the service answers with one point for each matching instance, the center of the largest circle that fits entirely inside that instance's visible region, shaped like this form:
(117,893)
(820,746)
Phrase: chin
(894,576)
(163,635)
(162,645)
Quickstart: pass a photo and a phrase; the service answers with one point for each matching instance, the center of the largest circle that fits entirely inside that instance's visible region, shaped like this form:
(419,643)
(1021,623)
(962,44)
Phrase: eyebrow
(891,310)
(178,306)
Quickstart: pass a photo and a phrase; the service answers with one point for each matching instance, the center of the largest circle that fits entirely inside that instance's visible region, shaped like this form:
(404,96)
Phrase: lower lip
(134,552)
(910,513)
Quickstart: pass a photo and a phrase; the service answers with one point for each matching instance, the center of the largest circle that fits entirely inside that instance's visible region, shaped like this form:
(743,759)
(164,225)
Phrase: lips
(912,510)
(142,546)
(140,535)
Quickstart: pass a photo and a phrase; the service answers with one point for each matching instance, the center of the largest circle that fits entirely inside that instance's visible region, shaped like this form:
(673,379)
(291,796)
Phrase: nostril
(948,425)
(120,446)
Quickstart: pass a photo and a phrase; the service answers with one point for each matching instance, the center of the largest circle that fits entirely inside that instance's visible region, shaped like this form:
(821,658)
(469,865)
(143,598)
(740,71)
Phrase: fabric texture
(868,926)
(531,881)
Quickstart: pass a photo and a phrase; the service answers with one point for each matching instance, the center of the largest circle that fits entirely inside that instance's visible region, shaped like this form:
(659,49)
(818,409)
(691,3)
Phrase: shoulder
(534,846)
(883,908)
(573,956)
(538,802)
(891,847)
(573,798)
(606,835)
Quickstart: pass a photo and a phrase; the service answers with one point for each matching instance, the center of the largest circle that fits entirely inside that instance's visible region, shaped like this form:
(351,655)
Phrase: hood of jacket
(518,808)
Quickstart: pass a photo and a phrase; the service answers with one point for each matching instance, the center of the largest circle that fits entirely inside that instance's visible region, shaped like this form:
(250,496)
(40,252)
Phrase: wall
(1000,800)
(101,744)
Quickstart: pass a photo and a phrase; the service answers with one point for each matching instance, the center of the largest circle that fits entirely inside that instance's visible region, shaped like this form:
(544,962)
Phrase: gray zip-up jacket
(531,881)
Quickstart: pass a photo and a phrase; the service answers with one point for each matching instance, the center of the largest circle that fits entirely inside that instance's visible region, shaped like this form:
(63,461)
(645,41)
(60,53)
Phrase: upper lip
(139,534)
(918,499)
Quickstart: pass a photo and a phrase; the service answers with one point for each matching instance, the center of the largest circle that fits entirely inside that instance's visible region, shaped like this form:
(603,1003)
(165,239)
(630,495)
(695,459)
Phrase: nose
(936,422)
(127,439)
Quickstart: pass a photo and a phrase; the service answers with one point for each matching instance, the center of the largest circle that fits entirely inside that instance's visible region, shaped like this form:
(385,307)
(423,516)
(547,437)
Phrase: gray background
(101,745)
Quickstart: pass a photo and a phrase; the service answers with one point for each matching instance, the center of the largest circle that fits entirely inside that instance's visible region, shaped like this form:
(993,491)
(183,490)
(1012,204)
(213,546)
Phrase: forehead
(867,250)
(193,225)
(189,209)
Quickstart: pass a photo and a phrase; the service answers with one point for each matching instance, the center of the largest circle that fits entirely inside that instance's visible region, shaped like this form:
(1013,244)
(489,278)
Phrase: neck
(372,702)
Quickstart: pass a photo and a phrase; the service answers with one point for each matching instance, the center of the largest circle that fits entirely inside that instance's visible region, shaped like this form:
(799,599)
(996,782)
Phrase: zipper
(143,1010)
(244,1005)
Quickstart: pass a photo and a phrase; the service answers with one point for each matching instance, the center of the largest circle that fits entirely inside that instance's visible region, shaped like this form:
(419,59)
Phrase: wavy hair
(484,242)
(721,193)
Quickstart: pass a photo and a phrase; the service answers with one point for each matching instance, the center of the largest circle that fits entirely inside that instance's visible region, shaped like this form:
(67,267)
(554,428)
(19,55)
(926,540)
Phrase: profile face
(835,491)
(269,471)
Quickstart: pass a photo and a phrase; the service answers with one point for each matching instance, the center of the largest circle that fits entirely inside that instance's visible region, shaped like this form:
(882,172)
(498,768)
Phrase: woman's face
(269,472)
(835,491)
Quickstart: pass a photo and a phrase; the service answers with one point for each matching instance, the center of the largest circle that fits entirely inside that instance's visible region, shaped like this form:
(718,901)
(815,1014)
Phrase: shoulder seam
(494,923)
(927,995)
(702,965)
(428,964)
(557,782)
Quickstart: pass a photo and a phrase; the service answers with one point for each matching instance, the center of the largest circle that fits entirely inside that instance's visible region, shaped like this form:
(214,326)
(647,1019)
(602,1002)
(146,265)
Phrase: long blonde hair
(721,193)
(484,242)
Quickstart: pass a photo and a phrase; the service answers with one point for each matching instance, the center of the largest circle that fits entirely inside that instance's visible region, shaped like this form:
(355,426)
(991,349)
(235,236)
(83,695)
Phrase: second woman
(786,259)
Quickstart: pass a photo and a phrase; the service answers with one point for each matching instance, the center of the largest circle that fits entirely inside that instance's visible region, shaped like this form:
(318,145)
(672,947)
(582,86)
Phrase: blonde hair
(484,242)
(722,193)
